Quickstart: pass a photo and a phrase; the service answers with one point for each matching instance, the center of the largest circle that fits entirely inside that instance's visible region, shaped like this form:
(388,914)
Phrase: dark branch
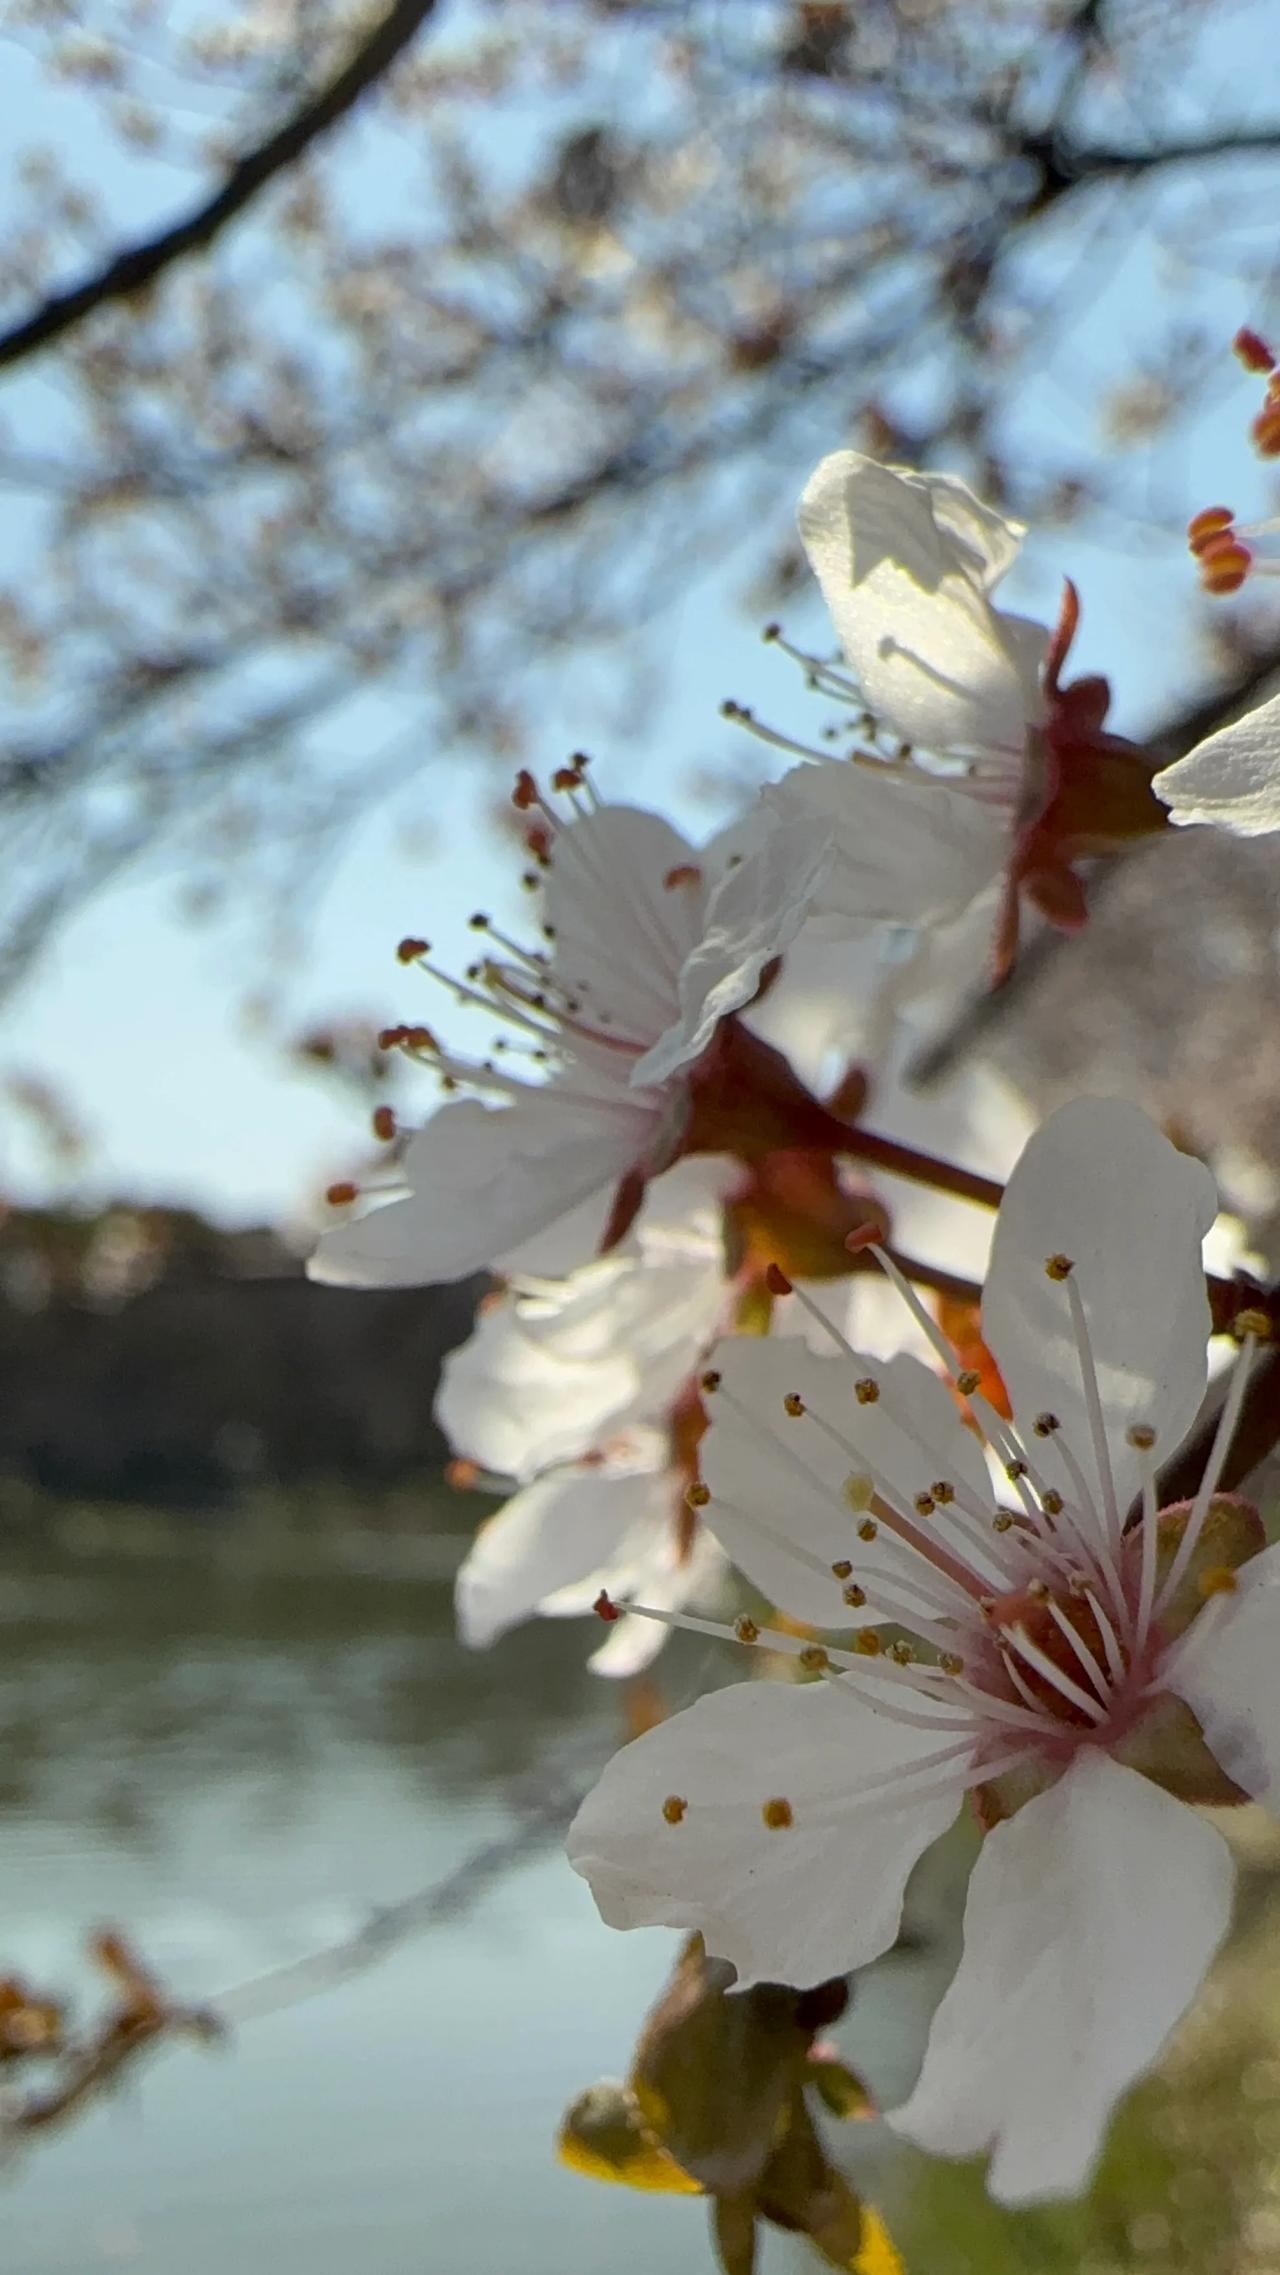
(140,265)
(1256,1435)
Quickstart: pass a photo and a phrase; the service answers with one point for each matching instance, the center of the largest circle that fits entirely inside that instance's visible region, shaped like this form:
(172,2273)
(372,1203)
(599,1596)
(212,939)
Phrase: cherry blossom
(1232,778)
(1082,1661)
(544,1159)
(584,1392)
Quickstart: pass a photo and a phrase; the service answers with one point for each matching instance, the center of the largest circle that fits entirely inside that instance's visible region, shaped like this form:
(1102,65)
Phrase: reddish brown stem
(1257,1433)
(900,1160)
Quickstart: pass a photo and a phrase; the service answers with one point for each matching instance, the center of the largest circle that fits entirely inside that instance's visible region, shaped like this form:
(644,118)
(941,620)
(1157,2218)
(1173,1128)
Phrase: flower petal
(624,898)
(1232,778)
(905,562)
(1099,1184)
(754,913)
(482,1182)
(571,1526)
(906,847)
(779,1505)
(796,1902)
(1229,1674)
(1091,1919)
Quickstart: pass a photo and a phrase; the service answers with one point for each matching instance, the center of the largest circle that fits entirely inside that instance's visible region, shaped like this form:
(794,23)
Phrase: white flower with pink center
(544,1158)
(583,1392)
(1082,1661)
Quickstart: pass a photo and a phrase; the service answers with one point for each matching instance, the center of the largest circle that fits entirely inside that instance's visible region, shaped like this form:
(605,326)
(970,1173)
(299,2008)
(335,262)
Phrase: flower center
(1057,1651)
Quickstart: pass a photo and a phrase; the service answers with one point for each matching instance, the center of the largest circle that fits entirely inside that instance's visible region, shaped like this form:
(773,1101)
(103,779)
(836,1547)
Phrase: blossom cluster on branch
(757,1366)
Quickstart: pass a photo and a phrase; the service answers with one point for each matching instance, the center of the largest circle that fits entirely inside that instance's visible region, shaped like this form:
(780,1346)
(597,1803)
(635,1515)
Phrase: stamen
(1043,1665)
(1218,1452)
(1093,1410)
(1086,1657)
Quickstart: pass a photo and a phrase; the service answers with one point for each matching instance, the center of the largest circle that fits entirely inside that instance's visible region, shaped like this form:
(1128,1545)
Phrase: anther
(854,1596)
(1044,1425)
(967,1381)
(1140,1435)
(419,1039)
(1014,1470)
(525,793)
(746,1630)
(843,1569)
(1038,1590)
(901,1653)
(857,1492)
(771,632)
(868,1529)
(943,1492)
(1002,1521)
(384,1123)
(775,1279)
(710,1380)
(951,1663)
(1052,1502)
(698,1496)
(1059,1267)
(814,1659)
(1217,1581)
(1251,1322)
(1213,521)
(605,1608)
(684,873)
(1252,350)
(794,1403)
(341,1195)
(924,1504)
(390,1038)
(867,1643)
(778,1814)
(674,1808)
(867,1391)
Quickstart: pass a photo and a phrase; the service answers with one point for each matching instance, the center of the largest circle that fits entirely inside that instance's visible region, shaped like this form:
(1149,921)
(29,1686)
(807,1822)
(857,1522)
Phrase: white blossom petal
(907,847)
(1100,1184)
(779,1506)
(754,913)
(796,1903)
(572,1526)
(482,1182)
(624,899)
(1091,1919)
(1228,1671)
(906,562)
(1231,778)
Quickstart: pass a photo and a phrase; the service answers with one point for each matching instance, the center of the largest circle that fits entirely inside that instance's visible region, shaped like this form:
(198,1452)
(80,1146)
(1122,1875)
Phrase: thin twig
(139,265)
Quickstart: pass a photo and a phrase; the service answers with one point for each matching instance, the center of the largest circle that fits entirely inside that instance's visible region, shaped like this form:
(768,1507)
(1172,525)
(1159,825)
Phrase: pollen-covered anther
(342,1194)
(674,1808)
(1219,1580)
(1224,561)
(1003,1521)
(1252,1322)
(411,948)
(525,793)
(901,1653)
(1045,1425)
(858,1492)
(775,1279)
(951,1663)
(684,873)
(710,1380)
(1265,432)
(967,1381)
(605,1608)
(943,1492)
(854,1596)
(1015,1469)
(814,1659)
(1141,1436)
(698,1495)
(419,1039)
(1038,1590)
(924,1504)
(867,1643)
(746,1630)
(1252,350)
(868,1529)
(842,1569)
(1210,522)
(1059,1267)
(867,1391)
(778,1814)
(384,1123)
(794,1403)
(1051,1502)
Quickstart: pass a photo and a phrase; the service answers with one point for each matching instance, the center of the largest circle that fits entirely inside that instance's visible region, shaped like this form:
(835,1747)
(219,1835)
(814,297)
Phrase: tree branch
(139,265)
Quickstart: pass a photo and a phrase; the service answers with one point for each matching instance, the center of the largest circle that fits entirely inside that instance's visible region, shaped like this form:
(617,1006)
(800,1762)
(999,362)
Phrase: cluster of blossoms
(685,1370)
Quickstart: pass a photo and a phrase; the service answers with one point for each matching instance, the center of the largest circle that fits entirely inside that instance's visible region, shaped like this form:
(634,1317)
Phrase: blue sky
(136,1014)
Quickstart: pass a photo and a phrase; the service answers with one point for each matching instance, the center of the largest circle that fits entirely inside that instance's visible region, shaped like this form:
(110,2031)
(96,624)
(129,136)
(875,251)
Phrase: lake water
(236,1765)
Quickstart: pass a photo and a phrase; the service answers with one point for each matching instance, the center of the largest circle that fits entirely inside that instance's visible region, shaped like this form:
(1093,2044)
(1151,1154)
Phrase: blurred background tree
(365,371)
